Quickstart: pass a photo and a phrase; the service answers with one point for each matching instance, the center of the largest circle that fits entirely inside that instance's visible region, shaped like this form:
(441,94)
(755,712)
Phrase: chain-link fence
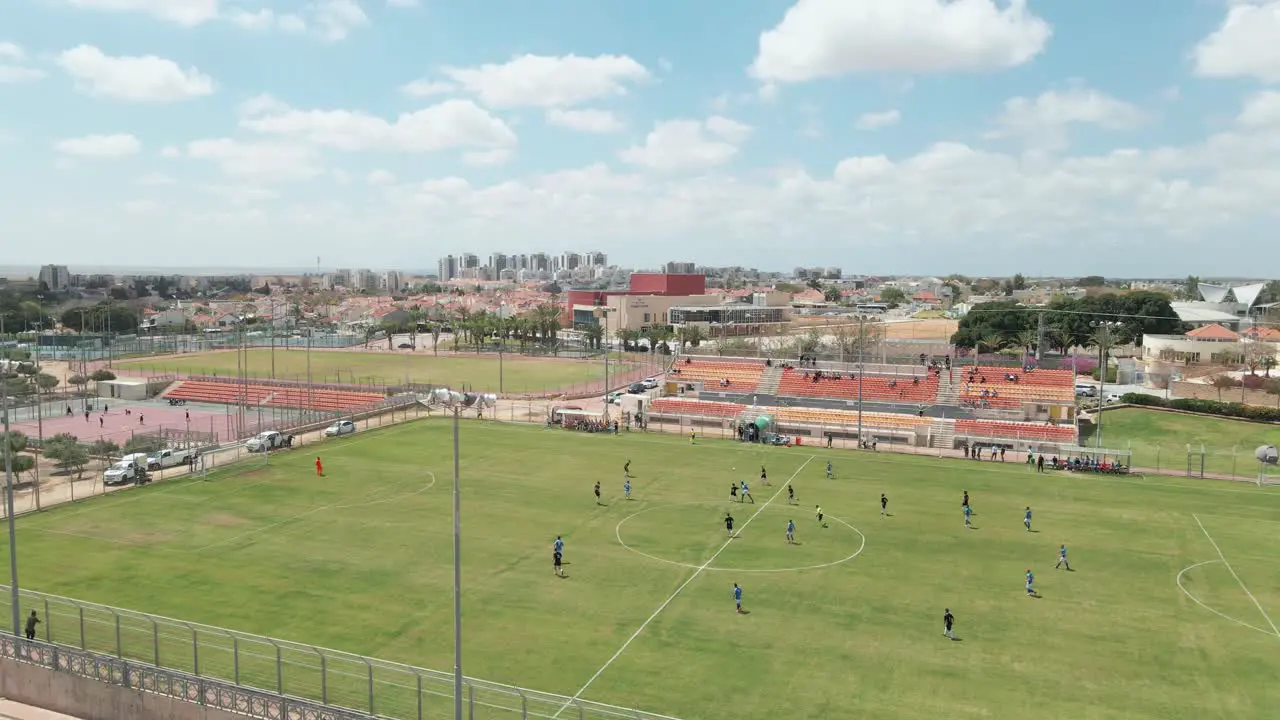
(328,677)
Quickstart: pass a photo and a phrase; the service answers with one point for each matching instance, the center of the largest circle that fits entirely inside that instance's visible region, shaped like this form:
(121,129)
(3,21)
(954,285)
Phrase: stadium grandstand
(928,405)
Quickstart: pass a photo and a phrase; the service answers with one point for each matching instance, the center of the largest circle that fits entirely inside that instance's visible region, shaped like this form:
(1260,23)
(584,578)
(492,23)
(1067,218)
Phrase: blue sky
(914,136)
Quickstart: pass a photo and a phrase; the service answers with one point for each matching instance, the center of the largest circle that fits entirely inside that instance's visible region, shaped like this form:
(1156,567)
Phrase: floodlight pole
(457,576)
(8,496)
(1104,337)
(861,367)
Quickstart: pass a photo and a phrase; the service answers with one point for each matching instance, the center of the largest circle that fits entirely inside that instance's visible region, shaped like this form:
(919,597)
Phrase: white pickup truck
(122,473)
(169,458)
(267,440)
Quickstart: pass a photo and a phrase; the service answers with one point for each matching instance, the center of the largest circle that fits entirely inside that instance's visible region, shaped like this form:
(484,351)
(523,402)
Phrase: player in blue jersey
(737,597)
(968,516)
(1031,582)
(626,489)
(1062,559)
(830,472)
(557,554)
(746,493)
(791,532)
(1026,518)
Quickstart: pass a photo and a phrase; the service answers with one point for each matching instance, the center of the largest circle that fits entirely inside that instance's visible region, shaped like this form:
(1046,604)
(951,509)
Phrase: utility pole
(862,344)
(1039,335)
(14,600)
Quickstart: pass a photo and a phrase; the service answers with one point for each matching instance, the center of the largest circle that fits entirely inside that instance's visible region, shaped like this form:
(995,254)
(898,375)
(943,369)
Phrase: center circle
(618,532)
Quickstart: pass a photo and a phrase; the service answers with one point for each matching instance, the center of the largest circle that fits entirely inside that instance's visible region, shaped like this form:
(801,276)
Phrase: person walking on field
(319,468)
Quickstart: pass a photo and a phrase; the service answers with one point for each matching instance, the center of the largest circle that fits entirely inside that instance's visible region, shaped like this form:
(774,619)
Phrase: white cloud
(155,178)
(335,19)
(588,121)
(258,162)
(242,194)
(1043,121)
(402,3)
(141,207)
(688,145)
(261,19)
(829,38)
(100,146)
(1261,110)
(450,124)
(426,88)
(15,74)
(10,51)
(12,67)
(546,81)
(855,170)
(877,120)
(187,13)
(1246,44)
(487,158)
(145,78)
(171,151)
(380,178)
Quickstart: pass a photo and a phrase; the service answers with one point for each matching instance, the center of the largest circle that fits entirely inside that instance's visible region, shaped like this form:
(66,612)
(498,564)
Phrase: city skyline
(795,133)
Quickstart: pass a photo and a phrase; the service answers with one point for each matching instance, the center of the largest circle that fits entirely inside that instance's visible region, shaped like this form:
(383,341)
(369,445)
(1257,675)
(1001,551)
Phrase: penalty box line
(1232,570)
(698,571)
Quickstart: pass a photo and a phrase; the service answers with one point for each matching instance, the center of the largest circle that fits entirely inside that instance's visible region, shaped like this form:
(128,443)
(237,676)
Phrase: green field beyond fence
(1176,443)
(1168,612)
(511,374)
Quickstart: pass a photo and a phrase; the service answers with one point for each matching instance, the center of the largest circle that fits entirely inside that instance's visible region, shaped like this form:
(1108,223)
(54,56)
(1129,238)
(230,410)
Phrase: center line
(683,585)
(1232,570)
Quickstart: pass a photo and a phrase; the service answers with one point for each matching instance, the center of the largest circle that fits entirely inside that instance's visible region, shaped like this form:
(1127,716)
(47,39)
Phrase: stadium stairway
(942,434)
(770,381)
(948,391)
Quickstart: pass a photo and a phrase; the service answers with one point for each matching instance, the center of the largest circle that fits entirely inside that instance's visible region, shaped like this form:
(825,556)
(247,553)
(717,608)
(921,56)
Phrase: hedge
(1206,407)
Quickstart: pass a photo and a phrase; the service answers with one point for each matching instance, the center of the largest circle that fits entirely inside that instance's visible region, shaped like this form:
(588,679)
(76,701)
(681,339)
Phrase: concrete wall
(92,700)
(1208,392)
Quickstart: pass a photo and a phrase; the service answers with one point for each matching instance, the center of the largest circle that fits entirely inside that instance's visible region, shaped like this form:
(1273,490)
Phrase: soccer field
(519,374)
(846,623)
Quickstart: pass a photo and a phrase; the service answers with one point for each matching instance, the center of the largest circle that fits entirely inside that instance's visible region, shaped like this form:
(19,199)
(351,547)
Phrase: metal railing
(331,678)
(206,691)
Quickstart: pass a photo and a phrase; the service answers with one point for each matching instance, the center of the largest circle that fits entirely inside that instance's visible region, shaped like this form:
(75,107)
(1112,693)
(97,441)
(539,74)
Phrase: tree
(67,452)
(690,336)
(143,444)
(1003,319)
(594,334)
(1091,281)
(992,342)
(1190,288)
(117,317)
(1027,340)
(814,284)
(102,375)
(79,381)
(1256,354)
(628,338)
(1268,364)
(831,294)
(16,441)
(893,296)
(46,382)
(264,290)
(1222,382)
(104,449)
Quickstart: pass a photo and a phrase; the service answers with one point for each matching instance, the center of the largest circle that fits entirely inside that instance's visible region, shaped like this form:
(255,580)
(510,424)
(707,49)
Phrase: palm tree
(992,342)
(628,338)
(660,336)
(1027,340)
(594,334)
(1268,362)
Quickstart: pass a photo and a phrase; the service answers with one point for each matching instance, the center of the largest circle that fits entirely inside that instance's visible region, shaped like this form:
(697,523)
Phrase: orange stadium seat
(742,375)
(1016,430)
(1052,387)
(874,387)
(695,408)
(219,392)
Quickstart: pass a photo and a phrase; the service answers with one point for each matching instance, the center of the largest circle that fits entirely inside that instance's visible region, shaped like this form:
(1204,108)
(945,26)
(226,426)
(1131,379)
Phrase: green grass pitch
(360,560)
(519,374)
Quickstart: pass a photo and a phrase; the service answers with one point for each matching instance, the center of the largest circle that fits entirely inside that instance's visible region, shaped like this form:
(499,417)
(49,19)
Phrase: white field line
(698,571)
(1232,570)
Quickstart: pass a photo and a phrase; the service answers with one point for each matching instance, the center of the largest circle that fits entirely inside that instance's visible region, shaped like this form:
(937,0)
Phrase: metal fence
(624,369)
(205,691)
(73,487)
(1173,458)
(329,678)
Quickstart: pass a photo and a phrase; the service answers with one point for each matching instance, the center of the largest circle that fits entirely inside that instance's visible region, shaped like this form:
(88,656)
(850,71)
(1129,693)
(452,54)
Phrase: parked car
(342,427)
(122,473)
(637,389)
(169,458)
(1113,397)
(266,440)
(650,383)
(1083,390)
(613,397)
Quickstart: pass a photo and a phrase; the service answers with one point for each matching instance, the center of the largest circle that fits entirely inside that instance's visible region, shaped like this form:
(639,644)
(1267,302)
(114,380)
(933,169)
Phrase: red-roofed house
(1214,332)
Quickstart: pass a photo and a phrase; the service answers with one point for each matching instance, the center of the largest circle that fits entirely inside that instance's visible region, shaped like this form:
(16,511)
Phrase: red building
(640,284)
